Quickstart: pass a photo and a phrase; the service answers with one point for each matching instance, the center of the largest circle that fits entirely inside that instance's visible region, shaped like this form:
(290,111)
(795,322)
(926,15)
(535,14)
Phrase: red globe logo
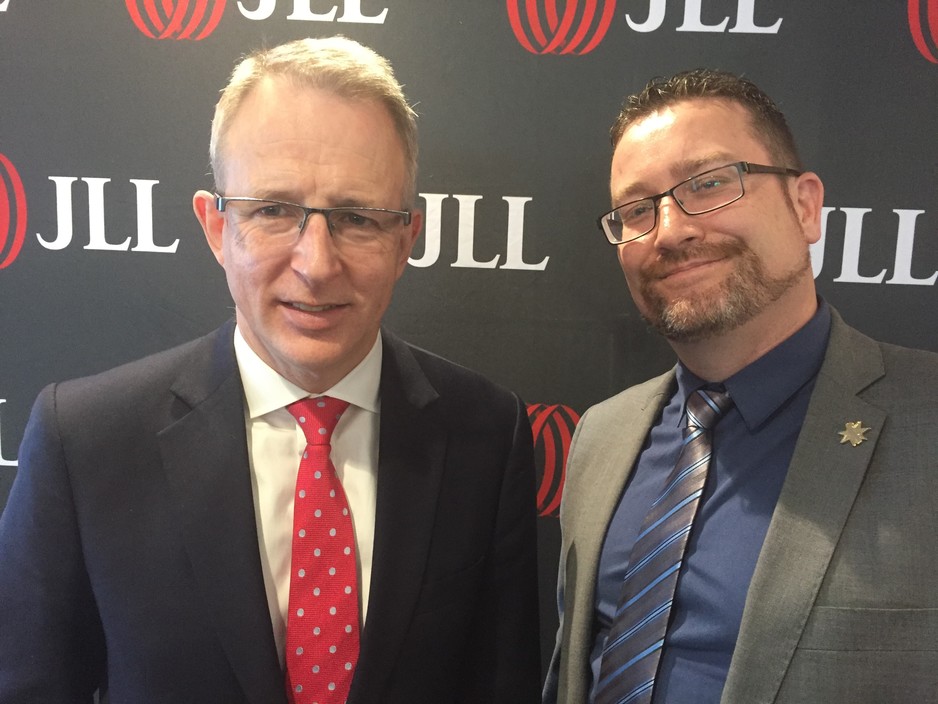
(542,29)
(182,19)
(552,427)
(12,213)
(923,15)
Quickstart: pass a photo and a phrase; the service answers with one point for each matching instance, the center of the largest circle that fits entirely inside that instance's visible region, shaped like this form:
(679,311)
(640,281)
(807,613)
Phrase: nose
(675,228)
(315,255)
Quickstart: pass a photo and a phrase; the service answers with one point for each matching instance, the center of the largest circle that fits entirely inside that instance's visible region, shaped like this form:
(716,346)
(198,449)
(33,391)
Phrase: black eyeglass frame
(221,203)
(741,168)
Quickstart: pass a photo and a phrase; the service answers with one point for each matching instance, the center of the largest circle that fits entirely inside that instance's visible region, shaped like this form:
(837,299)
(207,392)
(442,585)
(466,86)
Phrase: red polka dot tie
(322,621)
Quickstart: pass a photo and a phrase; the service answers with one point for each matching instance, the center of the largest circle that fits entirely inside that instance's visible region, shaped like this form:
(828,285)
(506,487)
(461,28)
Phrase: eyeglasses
(703,193)
(276,222)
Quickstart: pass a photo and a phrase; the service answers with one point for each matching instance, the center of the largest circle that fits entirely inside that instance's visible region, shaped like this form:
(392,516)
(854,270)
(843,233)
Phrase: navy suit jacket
(129,555)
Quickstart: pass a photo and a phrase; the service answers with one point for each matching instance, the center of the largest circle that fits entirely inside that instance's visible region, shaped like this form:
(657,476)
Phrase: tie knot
(318,417)
(706,406)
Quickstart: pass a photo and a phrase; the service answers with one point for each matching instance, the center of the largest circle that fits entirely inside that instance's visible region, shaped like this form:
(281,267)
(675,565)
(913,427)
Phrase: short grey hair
(336,64)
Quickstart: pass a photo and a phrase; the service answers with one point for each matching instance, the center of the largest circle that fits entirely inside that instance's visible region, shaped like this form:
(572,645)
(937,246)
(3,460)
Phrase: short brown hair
(768,123)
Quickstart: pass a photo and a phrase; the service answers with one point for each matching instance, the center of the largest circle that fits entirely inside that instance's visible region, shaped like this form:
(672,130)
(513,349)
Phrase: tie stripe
(636,638)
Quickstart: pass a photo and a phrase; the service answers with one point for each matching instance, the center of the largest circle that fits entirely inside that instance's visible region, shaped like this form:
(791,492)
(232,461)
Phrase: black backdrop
(105,110)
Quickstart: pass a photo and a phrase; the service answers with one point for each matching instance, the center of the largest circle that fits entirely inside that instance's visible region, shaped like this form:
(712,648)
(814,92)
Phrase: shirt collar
(761,388)
(265,390)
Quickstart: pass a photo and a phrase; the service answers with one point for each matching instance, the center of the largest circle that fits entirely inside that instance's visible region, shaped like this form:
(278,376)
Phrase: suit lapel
(205,458)
(819,491)
(609,472)
(411,451)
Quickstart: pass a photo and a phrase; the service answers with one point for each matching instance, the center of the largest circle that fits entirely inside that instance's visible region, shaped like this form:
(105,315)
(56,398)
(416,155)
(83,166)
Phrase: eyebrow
(681,170)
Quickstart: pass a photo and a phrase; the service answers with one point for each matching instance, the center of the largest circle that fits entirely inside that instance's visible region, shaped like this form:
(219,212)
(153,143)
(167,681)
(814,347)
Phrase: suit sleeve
(507,628)
(51,641)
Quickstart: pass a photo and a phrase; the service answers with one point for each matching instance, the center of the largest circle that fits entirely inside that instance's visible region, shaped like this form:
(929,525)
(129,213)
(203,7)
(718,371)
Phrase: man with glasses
(757,524)
(299,507)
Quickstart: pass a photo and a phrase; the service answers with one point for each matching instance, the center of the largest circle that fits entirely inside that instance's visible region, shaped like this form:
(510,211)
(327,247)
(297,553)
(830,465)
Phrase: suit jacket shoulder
(842,605)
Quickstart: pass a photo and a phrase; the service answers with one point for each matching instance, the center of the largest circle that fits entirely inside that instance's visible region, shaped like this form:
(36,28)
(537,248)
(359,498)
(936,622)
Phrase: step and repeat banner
(105,111)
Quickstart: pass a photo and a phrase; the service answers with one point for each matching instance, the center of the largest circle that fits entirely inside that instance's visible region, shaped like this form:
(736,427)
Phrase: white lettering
(853,231)
(265,8)
(514,258)
(305,13)
(466,235)
(96,230)
(63,213)
(433,224)
(693,22)
(904,243)
(655,17)
(3,462)
(145,219)
(746,23)
(302,10)
(353,13)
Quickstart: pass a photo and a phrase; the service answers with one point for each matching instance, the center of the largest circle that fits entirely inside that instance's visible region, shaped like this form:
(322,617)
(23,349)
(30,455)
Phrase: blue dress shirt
(752,448)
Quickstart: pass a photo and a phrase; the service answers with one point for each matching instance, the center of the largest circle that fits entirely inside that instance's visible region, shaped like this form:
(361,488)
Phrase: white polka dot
(302,419)
(302,573)
(299,651)
(318,475)
(348,666)
(299,688)
(302,533)
(318,513)
(316,631)
(348,590)
(305,455)
(323,431)
(332,532)
(316,591)
(317,552)
(332,571)
(332,649)
(344,511)
(321,404)
(302,493)
(315,668)
(348,629)
(348,550)
(331,686)
(332,610)
(332,493)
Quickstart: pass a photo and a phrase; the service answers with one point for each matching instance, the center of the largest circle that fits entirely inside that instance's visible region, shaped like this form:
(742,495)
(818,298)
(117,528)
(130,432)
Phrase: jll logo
(552,427)
(166,19)
(924,14)
(12,213)
(578,31)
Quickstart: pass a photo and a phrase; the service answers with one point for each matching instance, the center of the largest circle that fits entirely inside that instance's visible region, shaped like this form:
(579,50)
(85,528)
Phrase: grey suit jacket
(843,604)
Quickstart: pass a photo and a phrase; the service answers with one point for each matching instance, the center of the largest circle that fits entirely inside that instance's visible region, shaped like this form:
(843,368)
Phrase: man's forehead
(677,114)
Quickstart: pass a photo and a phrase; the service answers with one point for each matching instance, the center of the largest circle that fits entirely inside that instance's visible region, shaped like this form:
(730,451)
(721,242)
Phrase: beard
(742,295)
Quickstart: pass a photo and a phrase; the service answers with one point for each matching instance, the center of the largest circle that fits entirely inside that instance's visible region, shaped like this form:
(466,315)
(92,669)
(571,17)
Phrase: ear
(410,239)
(212,222)
(808,199)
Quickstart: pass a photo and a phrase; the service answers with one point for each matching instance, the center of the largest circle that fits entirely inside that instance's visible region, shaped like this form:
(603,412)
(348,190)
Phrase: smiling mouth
(313,309)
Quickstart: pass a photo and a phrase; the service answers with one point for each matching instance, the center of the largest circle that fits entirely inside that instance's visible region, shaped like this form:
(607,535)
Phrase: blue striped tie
(633,647)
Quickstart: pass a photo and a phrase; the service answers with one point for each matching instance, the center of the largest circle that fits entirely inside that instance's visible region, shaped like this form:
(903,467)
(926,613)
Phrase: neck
(718,358)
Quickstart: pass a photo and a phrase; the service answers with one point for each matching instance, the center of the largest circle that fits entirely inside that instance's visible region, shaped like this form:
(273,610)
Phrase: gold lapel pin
(854,433)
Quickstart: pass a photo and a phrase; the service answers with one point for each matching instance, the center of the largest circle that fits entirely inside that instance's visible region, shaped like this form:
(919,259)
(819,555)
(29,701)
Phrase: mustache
(667,260)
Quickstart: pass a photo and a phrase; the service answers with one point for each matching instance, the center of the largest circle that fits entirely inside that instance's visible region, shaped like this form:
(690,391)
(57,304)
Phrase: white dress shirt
(275,445)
